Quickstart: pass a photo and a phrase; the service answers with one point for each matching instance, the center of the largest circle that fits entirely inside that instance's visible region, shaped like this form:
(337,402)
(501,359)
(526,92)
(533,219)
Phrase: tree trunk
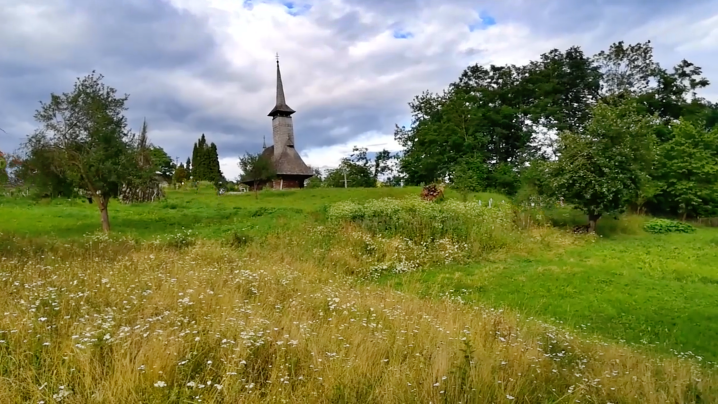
(104,216)
(592,220)
(256,195)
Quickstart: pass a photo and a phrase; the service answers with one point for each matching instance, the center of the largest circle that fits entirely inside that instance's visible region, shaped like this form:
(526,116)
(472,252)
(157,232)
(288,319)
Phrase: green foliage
(664,226)
(256,169)
(317,180)
(83,138)
(687,172)
(422,221)
(162,163)
(504,179)
(180,175)
(357,170)
(470,175)
(205,161)
(602,168)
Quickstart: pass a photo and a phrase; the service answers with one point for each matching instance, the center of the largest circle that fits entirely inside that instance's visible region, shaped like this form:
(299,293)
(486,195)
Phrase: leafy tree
(602,168)
(561,88)
(382,164)
(357,170)
(256,169)
(162,162)
(687,171)
(627,69)
(85,134)
(38,171)
(317,181)
(504,178)
(470,175)
(180,175)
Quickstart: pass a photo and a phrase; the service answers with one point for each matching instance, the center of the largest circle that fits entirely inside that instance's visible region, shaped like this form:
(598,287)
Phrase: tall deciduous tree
(602,168)
(86,133)
(627,69)
(687,171)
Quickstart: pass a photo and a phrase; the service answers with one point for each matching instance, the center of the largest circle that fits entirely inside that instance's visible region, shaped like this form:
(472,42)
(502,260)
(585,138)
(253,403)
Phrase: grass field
(297,312)
(203,212)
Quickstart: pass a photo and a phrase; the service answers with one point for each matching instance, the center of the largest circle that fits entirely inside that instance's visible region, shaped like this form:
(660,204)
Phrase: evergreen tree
(215,173)
(188,165)
(195,159)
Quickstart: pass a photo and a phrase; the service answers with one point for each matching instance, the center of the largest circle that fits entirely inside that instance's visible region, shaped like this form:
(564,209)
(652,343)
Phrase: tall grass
(118,322)
(424,221)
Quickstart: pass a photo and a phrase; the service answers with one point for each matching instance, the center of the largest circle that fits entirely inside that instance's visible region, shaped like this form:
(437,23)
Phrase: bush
(422,221)
(664,226)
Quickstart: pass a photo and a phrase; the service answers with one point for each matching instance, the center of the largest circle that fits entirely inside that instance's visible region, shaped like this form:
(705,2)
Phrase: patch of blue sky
(294,9)
(485,20)
(402,34)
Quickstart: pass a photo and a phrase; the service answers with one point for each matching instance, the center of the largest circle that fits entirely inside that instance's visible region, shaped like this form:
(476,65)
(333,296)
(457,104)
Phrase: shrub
(663,226)
(481,227)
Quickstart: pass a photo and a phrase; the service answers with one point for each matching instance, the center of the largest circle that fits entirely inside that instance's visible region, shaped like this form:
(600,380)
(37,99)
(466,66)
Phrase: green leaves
(86,137)
(602,168)
(256,168)
(687,171)
(664,226)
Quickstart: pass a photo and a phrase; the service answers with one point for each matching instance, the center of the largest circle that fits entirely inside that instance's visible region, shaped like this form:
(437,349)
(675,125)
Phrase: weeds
(208,323)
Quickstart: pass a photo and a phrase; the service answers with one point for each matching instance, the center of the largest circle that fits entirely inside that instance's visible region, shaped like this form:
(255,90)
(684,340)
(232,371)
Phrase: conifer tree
(195,159)
(215,172)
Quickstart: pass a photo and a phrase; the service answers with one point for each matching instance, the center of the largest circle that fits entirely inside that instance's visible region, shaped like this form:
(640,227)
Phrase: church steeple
(280,108)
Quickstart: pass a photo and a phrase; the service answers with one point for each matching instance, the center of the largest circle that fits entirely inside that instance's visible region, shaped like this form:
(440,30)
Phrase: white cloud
(207,66)
(326,156)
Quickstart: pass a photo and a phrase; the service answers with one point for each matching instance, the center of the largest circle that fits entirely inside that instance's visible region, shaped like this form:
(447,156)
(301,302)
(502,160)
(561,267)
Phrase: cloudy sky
(349,66)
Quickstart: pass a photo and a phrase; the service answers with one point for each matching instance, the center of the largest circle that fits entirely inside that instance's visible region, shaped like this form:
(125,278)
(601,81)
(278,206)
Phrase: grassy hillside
(201,211)
(335,295)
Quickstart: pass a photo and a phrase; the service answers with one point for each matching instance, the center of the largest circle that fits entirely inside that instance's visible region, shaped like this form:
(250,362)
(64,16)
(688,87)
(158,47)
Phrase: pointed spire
(281,107)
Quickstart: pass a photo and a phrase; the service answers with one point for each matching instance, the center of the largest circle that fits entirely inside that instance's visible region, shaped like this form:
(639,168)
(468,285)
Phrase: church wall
(288,183)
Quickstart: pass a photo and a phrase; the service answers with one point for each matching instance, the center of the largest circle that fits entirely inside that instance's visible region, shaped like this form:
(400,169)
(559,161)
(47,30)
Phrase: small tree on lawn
(256,169)
(87,132)
(602,168)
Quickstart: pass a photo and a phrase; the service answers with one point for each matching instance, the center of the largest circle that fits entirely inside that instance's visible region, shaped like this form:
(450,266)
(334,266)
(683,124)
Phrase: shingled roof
(288,163)
(281,107)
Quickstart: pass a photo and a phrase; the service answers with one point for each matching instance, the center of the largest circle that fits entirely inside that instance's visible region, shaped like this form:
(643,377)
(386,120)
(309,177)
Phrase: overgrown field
(346,296)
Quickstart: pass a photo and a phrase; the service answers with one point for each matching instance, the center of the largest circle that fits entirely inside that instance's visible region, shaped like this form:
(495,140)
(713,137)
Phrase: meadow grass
(201,211)
(656,291)
(279,293)
(115,321)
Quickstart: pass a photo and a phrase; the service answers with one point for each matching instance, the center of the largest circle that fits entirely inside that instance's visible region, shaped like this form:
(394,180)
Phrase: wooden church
(291,170)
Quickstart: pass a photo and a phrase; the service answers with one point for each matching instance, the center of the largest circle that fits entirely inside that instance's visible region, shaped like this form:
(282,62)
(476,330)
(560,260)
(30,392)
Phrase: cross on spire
(281,107)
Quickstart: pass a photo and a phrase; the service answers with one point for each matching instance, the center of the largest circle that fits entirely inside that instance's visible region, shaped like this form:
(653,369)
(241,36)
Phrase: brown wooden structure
(288,164)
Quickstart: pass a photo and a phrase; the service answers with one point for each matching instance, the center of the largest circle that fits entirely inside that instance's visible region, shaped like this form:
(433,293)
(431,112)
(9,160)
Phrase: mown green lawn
(203,212)
(659,290)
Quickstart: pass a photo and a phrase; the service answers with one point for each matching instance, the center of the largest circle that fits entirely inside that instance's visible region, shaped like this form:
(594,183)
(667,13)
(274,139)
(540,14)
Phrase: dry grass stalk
(152,324)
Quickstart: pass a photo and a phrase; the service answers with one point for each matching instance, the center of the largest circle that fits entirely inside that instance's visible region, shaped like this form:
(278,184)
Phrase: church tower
(290,168)
(282,125)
